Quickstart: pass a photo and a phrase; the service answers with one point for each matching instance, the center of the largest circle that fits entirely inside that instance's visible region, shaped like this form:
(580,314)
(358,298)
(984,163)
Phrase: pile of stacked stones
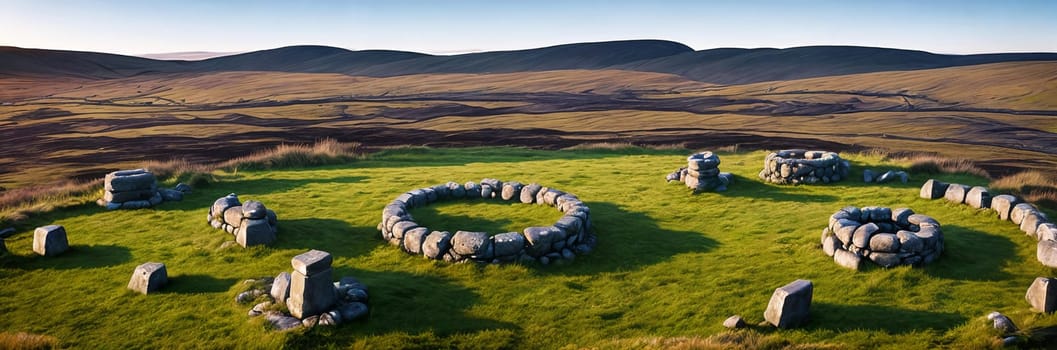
(797,166)
(885,177)
(137,189)
(702,173)
(569,236)
(885,236)
(1031,220)
(250,222)
(307,297)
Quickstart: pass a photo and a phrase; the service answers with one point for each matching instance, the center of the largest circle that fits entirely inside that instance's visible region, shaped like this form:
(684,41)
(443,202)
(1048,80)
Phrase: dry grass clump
(323,152)
(16,204)
(618,146)
(745,339)
(932,164)
(26,341)
(1033,186)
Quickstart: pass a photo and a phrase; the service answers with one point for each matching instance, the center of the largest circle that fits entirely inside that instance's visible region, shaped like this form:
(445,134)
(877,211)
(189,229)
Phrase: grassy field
(668,269)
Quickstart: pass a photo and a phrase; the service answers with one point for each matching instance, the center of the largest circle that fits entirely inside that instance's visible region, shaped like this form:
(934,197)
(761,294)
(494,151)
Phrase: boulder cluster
(307,297)
(797,166)
(250,222)
(1028,217)
(868,176)
(701,173)
(137,189)
(570,236)
(887,237)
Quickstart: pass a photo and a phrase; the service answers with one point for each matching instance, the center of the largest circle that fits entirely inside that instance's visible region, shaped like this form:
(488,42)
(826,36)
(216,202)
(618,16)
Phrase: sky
(447,27)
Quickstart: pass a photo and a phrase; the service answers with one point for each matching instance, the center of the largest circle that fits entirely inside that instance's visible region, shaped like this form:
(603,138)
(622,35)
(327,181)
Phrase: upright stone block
(50,240)
(790,305)
(978,197)
(311,262)
(1003,204)
(1042,295)
(311,284)
(281,287)
(253,232)
(933,189)
(148,277)
(956,193)
(1046,253)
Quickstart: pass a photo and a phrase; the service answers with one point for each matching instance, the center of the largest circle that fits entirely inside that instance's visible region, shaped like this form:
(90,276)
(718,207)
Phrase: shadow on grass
(631,240)
(452,223)
(972,255)
(332,235)
(77,257)
(756,188)
(416,308)
(879,318)
(202,198)
(187,284)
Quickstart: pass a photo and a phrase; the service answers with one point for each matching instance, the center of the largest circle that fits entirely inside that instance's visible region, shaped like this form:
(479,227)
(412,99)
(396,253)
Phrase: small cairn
(308,297)
(887,237)
(250,222)
(137,189)
(797,166)
(702,173)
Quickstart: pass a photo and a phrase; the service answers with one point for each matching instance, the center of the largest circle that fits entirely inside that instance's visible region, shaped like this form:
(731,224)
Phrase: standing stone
(50,240)
(1019,211)
(281,287)
(978,198)
(934,189)
(1042,295)
(956,193)
(1030,223)
(1003,204)
(790,305)
(148,277)
(311,284)
(1046,253)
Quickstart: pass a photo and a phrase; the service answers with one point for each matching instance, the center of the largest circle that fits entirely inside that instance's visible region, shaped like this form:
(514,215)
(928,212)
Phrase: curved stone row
(702,173)
(1028,217)
(887,237)
(569,236)
(797,166)
(250,222)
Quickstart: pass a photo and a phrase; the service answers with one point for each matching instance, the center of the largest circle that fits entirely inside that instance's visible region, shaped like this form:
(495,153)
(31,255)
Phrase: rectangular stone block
(790,305)
(311,295)
(129,180)
(1042,295)
(148,277)
(253,232)
(50,240)
(312,262)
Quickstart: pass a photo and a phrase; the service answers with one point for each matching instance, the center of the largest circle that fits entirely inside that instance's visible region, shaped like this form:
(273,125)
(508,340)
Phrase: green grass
(669,265)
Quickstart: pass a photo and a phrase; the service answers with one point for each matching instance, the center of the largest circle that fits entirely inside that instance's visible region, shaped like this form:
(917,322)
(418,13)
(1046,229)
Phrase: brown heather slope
(1003,114)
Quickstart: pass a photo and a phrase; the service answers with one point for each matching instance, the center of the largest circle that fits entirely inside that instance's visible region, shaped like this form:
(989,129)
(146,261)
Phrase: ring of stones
(887,237)
(797,166)
(569,236)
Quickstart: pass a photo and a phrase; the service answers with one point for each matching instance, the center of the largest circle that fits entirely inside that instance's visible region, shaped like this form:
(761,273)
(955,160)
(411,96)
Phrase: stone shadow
(889,319)
(432,218)
(973,255)
(407,305)
(202,198)
(756,188)
(77,257)
(335,236)
(195,283)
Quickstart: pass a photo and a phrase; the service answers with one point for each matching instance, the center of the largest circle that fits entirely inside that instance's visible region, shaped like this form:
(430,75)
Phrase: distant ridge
(720,66)
(187,55)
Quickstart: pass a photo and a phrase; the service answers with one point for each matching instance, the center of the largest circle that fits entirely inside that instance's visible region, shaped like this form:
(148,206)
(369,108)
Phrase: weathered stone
(901,216)
(253,232)
(923,220)
(956,193)
(934,189)
(1042,294)
(259,309)
(1046,231)
(171,195)
(469,243)
(844,229)
(148,277)
(487,191)
(510,243)
(473,190)
(121,197)
(282,322)
(183,188)
(273,219)
(568,254)
(847,259)
(790,305)
(50,240)
(353,311)
(233,215)
(978,197)
(887,177)
(881,214)
(885,259)
(1003,204)
(529,192)
(310,295)
(861,237)
(1021,210)
(551,196)
(400,228)
(539,240)
(248,296)
(909,241)
(733,322)
(867,175)
(129,180)
(703,160)
(884,242)
(456,190)
(281,287)
(330,318)
(254,210)
(1030,223)
(830,245)
(413,239)
(222,204)
(312,262)
(1046,253)
(1002,323)
(511,191)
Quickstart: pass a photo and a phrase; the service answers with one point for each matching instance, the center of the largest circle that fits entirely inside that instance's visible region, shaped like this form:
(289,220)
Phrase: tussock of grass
(323,152)
(17,204)
(741,339)
(26,341)
(620,146)
(931,164)
(1034,186)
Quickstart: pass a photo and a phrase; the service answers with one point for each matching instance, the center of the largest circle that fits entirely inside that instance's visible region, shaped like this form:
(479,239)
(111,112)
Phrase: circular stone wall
(569,236)
(797,166)
(887,237)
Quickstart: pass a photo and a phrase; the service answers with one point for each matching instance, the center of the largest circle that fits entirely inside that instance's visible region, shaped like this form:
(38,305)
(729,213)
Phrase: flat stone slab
(148,277)
(312,262)
(50,240)
(790,304)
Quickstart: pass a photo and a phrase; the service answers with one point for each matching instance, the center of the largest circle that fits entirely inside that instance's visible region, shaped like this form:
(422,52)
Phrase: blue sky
(144,26)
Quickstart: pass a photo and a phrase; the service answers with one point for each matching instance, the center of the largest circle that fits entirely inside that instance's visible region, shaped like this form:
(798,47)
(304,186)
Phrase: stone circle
(570,236)
(797,166)
(701,173)
(250,222)
(887,237)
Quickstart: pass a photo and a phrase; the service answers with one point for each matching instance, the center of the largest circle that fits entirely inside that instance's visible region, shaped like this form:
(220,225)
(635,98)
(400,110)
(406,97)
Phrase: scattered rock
(1002,323)
(283,322)
(733,322)
(790,305)
(281,287)
(148,277)
(934,189)
(50,240)
(1042,294)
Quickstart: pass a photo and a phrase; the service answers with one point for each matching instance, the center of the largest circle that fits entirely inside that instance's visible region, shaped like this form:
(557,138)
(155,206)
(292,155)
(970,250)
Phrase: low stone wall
(250,222)
(797,166)
(887,237)
(569,236)
(137,189)
(702,173)
(1033,222)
